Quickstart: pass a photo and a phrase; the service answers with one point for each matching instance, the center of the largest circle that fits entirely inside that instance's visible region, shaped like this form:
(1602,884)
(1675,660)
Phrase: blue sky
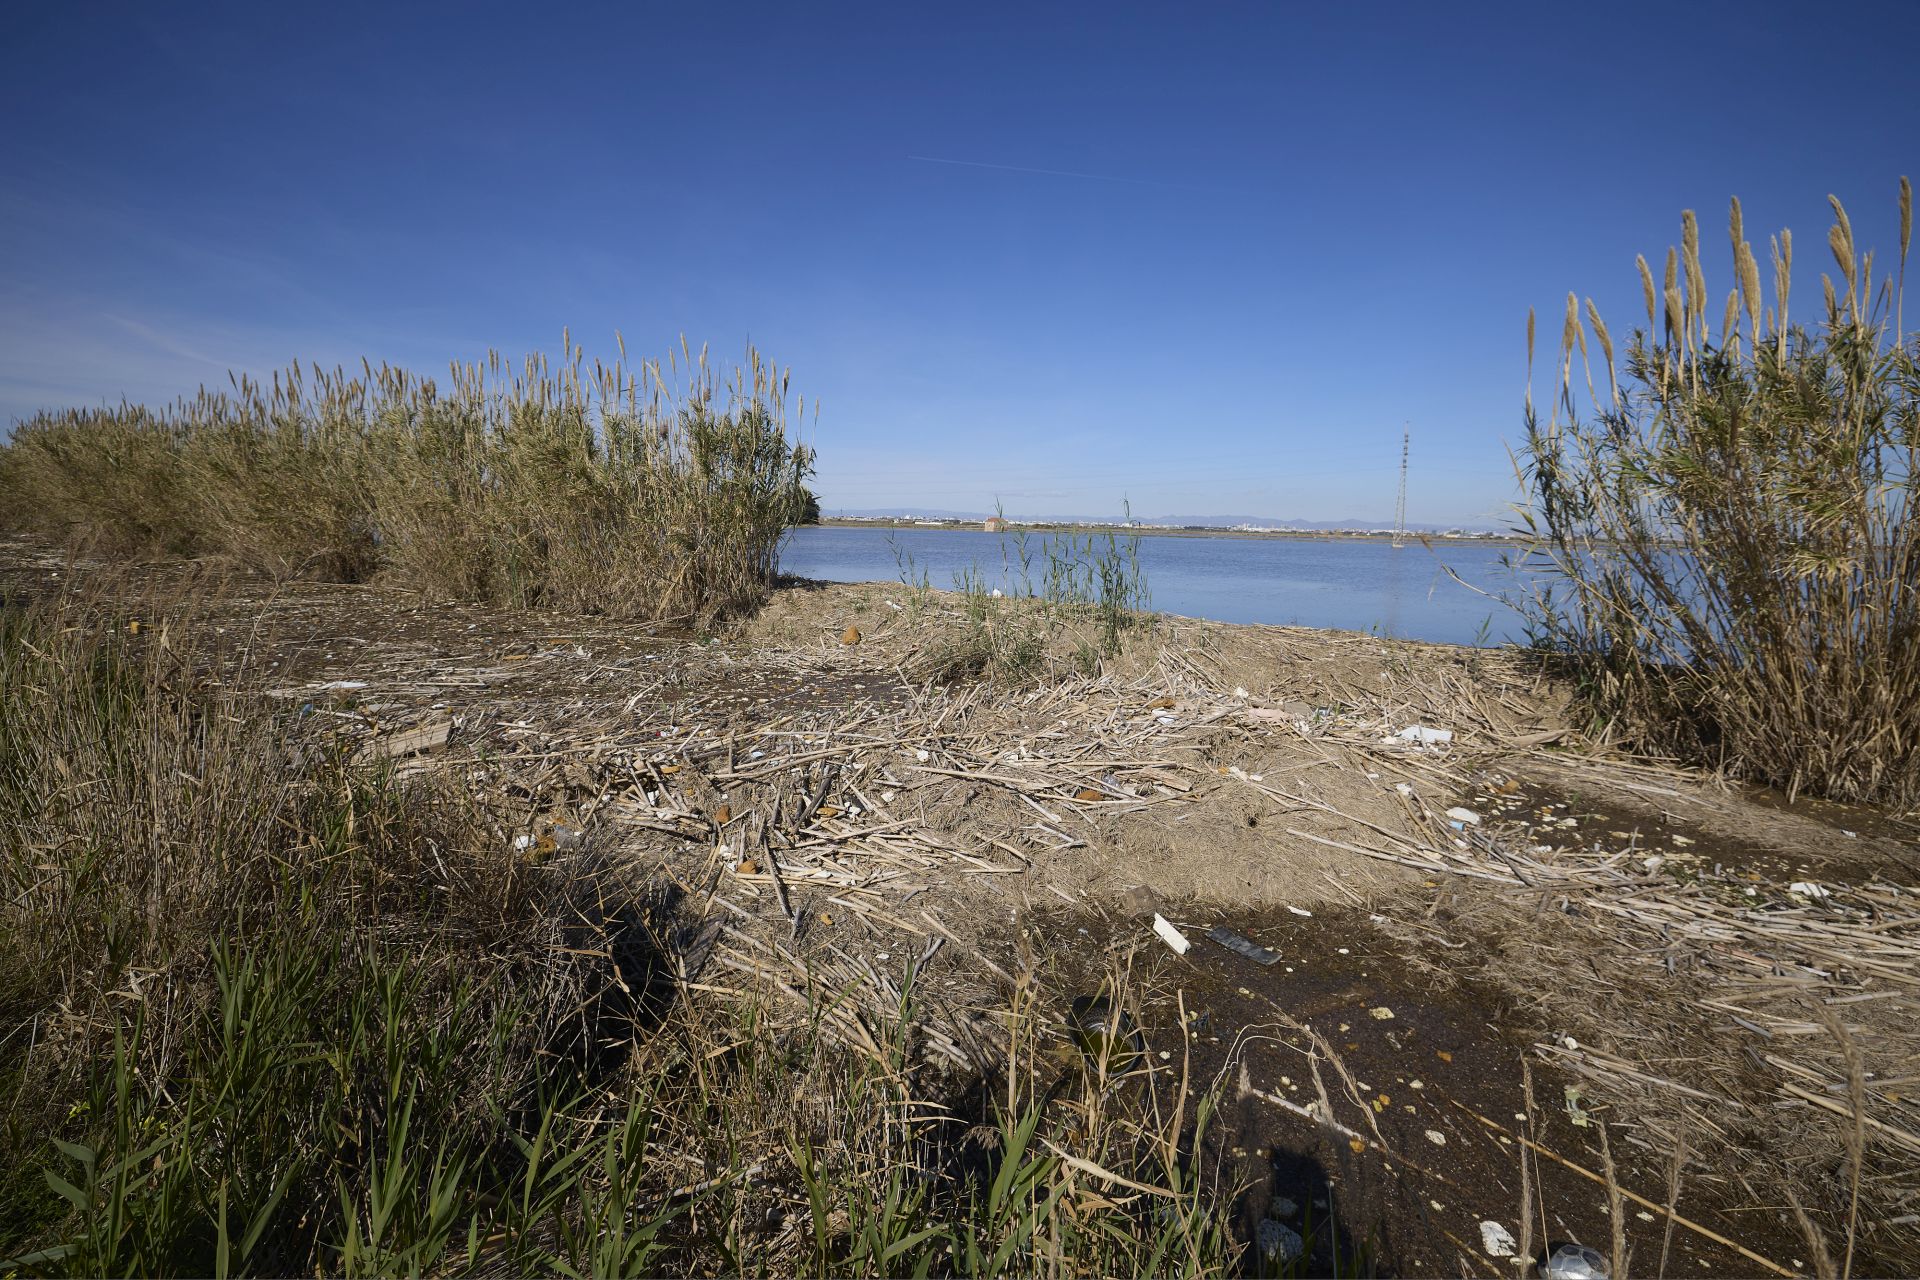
(1206,258)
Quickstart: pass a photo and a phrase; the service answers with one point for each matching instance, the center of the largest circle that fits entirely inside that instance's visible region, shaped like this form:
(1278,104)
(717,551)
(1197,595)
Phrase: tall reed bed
(656,490)
(268,1010)
(1731,517)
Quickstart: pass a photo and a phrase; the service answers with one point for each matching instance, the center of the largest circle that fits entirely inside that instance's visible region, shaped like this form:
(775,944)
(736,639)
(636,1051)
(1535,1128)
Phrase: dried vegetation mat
(842,836)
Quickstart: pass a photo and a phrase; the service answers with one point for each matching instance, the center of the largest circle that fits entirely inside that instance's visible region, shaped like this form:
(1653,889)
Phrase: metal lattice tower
(1400,503)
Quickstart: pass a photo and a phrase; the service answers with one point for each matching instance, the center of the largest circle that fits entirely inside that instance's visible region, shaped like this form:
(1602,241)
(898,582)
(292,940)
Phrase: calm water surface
(1351,584)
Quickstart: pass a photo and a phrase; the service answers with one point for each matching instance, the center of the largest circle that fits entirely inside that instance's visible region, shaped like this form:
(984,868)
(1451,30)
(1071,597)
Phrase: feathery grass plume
(1580,336)
(1646,289)
(1842,247)
(1840,236)
(1906,238)
(1529,359)
(1749,268)
(569,485)
(1676,319)
(1782,287)
(1730,324)
(1732,543)
(1695,278)
(1569,336)
(1606,347)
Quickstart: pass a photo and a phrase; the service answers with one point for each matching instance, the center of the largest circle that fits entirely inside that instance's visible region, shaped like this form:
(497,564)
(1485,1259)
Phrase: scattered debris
(1421,735)
(1466,817)
(851,636)
(1170,935)
(427,737)
(1574,1262)
(1495,1240)
(1243,945)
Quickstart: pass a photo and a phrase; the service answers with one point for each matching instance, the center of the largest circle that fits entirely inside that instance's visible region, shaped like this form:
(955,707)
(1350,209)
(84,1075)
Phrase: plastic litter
(1421,735)
(1243,945)
(1467,816)
(1104,1033)
(1495,1240)
(1574,1262)
(1807,889)
(1170,935)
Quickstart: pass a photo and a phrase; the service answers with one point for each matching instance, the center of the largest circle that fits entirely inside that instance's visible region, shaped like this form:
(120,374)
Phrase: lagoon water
(1354,584)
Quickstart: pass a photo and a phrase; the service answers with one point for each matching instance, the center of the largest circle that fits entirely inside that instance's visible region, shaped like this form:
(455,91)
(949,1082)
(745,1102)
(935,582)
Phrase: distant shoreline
(1165,531)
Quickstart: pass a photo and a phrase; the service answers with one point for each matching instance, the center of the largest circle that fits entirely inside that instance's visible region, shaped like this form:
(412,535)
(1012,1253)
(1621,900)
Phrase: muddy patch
(1375,1103)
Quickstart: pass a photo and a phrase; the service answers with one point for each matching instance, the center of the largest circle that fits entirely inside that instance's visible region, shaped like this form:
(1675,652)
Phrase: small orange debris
(545,844)
(133,628)
(749,868)
(722,816)
(669,768)
(516,657)
(1088,793)
(850,636)
(825,918)
(826,811)
(1443,1055)
(1161,704)
(1357,1144)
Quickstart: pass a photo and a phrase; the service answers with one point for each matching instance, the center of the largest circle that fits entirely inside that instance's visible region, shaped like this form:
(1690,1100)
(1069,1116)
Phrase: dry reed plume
(656,491)
(1732,525)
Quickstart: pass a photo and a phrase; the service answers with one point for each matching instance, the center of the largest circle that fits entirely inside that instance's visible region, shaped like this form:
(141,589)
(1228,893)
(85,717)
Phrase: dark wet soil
(1432,1088)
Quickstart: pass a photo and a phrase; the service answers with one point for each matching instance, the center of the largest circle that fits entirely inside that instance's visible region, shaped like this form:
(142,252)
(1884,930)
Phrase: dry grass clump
(1068,604)
(646,491)
(1734,525)
(270,1009)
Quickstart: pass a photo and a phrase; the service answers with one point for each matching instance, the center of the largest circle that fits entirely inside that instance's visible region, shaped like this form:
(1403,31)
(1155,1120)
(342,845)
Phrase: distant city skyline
(1204,259)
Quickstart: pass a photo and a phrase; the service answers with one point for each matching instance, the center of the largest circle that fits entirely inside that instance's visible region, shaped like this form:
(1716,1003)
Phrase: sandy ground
(1675,959)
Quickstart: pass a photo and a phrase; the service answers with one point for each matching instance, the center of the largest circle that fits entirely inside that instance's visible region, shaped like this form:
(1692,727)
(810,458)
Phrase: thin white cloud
(163,342)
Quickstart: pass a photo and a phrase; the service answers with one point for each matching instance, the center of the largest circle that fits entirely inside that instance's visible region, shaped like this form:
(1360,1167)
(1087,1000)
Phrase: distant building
(995,524)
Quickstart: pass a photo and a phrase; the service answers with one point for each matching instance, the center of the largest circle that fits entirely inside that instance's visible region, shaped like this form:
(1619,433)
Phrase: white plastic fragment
(1467,816)
(1300,911)
(1170,935)
(1423,736)
(1807,889)
(1495,1240)
(1436,1137)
